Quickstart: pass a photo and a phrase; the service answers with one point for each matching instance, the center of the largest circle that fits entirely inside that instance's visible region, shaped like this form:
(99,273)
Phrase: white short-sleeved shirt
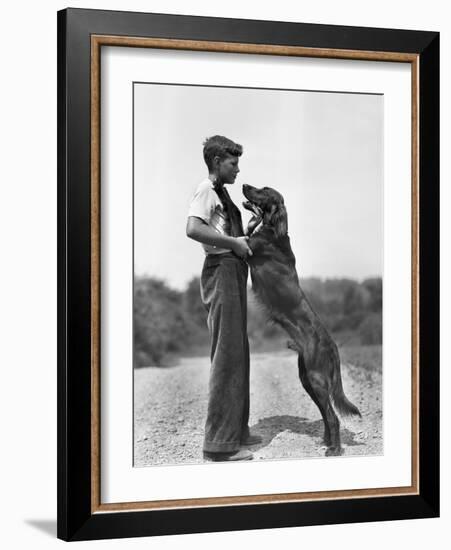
(207,206)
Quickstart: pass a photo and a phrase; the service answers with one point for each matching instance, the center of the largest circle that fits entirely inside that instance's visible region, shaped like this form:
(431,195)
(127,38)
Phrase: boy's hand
(241,248)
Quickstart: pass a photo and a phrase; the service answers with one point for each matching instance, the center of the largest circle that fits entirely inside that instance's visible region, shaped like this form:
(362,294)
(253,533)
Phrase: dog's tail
(341,402)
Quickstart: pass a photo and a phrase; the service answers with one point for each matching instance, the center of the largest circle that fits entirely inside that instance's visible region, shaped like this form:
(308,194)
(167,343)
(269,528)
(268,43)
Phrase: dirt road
(170,406)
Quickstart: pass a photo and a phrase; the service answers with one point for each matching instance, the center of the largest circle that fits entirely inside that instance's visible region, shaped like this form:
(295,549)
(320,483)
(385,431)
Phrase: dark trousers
(223,289)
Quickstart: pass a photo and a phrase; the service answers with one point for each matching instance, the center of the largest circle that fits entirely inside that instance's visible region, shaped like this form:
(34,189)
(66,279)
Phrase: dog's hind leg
(308,388)
(331,422)
(334,448)
(316,386)
(322,409)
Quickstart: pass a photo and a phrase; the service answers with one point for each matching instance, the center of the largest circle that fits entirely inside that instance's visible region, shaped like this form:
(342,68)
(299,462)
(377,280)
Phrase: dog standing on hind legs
(276,285)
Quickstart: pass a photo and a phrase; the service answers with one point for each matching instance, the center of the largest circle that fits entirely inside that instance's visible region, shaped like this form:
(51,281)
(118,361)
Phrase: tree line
(169,322)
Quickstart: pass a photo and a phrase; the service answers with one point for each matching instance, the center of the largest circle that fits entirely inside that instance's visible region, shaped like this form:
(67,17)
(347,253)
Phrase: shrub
(370,330)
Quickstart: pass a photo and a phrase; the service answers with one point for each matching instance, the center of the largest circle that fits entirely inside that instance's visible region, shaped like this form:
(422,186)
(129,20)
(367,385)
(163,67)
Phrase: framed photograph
(248,251)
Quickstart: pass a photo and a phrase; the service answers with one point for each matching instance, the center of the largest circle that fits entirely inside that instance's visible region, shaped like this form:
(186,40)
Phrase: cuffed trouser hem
(221,447)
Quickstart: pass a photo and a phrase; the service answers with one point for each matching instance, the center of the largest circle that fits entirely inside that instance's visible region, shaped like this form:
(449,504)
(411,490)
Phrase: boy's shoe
(242,454)
(251,439)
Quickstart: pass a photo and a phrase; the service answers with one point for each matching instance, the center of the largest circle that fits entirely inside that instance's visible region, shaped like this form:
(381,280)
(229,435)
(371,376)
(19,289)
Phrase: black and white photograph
(224,293)
(258,274)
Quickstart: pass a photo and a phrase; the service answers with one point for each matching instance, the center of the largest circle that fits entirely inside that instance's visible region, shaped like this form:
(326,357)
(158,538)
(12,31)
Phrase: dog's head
(271,204)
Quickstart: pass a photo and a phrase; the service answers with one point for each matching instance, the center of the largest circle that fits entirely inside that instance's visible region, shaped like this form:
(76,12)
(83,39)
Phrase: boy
(215,222)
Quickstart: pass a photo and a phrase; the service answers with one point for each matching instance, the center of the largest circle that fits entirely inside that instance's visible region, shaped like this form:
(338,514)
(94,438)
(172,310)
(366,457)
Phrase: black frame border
(75,519)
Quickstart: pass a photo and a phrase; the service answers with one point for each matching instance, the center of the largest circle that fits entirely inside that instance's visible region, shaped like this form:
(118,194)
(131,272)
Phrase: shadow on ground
(268,428)
(47,526)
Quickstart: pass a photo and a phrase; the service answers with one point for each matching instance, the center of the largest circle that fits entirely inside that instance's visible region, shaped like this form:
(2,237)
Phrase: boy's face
(227,169)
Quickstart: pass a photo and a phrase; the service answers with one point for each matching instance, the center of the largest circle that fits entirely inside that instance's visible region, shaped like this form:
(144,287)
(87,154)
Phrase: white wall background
(28,274)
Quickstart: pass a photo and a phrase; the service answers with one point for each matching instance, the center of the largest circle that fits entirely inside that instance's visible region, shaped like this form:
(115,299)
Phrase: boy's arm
(198,230)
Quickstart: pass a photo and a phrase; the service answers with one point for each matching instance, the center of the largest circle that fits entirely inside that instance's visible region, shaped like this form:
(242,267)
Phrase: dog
(276,285)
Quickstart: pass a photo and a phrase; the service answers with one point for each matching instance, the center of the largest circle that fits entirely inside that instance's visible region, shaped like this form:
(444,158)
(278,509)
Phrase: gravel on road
(170,406)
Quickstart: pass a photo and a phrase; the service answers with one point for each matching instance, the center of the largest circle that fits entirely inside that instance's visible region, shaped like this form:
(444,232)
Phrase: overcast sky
(322,151)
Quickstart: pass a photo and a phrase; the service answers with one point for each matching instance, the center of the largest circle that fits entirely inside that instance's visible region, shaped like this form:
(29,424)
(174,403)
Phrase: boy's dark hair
(220,146)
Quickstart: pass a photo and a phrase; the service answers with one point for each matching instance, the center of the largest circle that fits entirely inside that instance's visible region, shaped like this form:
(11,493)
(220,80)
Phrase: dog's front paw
(291,344)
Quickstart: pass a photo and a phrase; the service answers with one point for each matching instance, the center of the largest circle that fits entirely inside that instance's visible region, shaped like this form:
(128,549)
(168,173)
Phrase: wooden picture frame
(81,35)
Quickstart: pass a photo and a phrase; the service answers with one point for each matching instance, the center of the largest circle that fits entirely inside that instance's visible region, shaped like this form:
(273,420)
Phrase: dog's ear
(277,217)
(280,221)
